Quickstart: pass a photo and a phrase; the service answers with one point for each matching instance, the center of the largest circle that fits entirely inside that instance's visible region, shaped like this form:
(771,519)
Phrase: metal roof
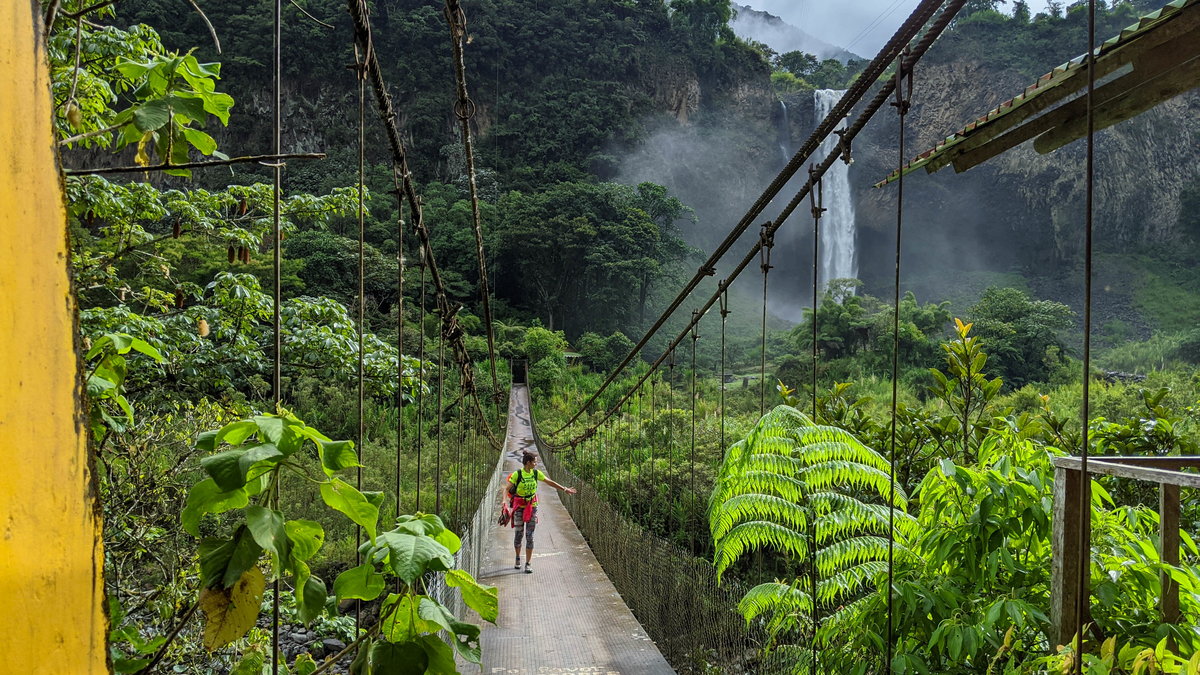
(1150,61)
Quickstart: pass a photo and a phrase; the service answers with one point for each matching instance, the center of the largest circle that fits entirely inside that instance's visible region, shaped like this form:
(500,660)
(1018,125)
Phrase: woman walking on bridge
(522,490)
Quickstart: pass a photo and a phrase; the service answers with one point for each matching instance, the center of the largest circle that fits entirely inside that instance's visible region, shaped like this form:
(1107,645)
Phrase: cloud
(862,26)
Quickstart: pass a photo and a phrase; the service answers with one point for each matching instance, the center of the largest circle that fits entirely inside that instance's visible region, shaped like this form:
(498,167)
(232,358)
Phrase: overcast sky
(861,26)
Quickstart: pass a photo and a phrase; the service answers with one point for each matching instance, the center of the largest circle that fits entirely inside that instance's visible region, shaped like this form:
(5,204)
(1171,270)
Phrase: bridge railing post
(1067,557)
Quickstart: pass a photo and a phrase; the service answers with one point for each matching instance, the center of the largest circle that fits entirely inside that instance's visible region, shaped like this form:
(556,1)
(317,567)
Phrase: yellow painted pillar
(51,583)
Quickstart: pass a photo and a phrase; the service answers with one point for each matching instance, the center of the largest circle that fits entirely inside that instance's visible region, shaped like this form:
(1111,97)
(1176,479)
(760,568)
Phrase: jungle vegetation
(208,489)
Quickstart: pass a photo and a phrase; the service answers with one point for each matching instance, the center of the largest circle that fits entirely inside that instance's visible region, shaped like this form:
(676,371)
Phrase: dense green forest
(201,477)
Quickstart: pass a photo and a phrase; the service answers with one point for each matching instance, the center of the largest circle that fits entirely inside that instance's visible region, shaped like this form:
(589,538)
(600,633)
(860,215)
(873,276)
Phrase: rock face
(1024,206)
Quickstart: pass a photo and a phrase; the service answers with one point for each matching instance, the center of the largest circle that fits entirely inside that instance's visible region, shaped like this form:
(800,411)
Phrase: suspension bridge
(607,596)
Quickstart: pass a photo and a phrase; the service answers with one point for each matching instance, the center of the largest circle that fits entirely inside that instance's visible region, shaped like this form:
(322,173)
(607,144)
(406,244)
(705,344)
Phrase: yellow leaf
(74,116)
(1194,664)
(1107,649)
(143,158)
(232,611)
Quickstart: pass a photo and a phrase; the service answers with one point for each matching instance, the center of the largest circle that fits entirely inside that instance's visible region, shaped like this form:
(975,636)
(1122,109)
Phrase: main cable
(464,109)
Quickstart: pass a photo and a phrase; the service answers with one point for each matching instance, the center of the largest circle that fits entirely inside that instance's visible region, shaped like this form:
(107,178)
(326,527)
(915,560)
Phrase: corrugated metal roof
(994,121)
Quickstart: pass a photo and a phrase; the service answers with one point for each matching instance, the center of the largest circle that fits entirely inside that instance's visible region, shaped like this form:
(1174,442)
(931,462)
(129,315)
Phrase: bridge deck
(566,617)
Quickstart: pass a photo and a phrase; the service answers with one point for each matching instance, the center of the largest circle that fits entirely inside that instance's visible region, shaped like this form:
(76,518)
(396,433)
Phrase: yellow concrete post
(51,584)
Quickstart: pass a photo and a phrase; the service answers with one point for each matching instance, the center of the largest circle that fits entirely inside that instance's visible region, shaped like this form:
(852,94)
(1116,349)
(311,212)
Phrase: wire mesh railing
(474,532)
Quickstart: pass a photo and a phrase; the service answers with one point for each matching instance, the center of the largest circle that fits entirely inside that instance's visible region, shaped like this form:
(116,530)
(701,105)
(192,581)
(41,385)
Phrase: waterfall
(783,130)
(838,260)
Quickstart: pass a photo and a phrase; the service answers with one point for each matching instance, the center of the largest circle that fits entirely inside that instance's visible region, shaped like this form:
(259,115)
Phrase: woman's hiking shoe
(517,564)
(528,569)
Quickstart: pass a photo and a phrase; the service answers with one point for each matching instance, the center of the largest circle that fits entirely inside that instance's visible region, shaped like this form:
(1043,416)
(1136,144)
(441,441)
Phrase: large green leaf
(311,598)
(225,469)
(268,529)
(441,657)
(269,427)
(429,524)
(307,537)
(404,623)
(362,582)
(151,115)
(223,561)
(258,460)
(207,497)
(409,658)
(337,455)
(236,433)
(466,635)
(483,599)
(411,556)
(342,496)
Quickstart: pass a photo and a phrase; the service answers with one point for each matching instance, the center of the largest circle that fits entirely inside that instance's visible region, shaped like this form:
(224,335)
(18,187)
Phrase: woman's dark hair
(528,457)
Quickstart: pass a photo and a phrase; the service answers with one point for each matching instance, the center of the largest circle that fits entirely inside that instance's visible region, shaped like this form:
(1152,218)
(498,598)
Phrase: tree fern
(820,496)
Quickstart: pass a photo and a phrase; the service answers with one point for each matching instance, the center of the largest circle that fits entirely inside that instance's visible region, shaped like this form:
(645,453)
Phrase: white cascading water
(838,260)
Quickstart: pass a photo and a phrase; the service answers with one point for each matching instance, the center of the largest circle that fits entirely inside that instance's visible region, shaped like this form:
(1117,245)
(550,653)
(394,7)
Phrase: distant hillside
(783,37)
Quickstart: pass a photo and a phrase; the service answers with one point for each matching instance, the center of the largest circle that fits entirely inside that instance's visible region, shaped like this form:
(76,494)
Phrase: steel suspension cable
(843,152)
(670,417)
(464,109)
(767,243)
(362,177)
(1084,543)
(816,200)
(421,383)
(653,464)
(399,346)
(724,300)
(437,476)
(692,455)
(903,77)
(858,89)
(277,293)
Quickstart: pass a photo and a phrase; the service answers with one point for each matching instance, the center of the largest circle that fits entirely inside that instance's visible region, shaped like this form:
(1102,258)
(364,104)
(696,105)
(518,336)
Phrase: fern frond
(849,552)
(747,507)
(855,517)
(761,482)
(841,473)
(773,597)
(850,581)
(849,618)
(755,535)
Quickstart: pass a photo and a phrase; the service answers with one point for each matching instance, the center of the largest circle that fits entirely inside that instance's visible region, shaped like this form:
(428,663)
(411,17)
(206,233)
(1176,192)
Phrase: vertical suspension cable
(816,199)
(653,464)
(904,76)
(399,346)
(629,449)
(421,370)
(358,443)
(1084,545)
(277,265)
(437,475)
(724,300)
(670,419)
(458,457)
(768,242)
(692,456)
